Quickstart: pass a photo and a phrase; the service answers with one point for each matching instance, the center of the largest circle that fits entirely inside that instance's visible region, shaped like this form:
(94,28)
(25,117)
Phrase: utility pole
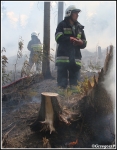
(60,11)
(60,18)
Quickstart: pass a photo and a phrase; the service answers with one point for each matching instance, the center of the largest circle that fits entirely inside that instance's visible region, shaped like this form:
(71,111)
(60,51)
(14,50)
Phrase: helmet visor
(76,10)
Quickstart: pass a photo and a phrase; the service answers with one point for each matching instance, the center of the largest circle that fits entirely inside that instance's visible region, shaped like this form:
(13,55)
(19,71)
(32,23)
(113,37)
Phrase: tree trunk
(46,42)
(51,114)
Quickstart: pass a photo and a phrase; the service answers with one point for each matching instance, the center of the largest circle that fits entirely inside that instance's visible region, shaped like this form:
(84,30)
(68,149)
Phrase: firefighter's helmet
(34,33)
(71,9)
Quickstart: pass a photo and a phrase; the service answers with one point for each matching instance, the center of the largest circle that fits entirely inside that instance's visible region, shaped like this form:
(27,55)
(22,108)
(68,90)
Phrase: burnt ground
(18,114)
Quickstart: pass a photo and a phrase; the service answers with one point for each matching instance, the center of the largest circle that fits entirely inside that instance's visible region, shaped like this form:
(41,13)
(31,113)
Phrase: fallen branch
(5,136)
(9,126)
(62,118)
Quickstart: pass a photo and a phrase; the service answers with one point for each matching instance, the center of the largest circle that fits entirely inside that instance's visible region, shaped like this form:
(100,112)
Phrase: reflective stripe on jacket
(36,47)
(34,44)
(63,59)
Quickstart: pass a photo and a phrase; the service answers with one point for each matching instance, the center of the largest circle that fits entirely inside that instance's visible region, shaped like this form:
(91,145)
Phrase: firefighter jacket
(34,46)
(67,53)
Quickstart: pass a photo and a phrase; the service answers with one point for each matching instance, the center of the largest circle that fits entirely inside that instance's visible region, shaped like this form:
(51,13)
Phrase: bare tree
(5,75)
(46,42)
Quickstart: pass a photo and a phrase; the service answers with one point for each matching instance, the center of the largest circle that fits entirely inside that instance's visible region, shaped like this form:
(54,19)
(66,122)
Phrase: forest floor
(17,115)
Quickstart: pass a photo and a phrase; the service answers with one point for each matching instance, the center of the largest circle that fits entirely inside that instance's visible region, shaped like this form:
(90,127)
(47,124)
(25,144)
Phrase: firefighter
(35,47)
(70,38)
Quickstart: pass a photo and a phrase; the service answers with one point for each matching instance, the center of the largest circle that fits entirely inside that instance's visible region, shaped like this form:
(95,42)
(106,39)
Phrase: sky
(21,18)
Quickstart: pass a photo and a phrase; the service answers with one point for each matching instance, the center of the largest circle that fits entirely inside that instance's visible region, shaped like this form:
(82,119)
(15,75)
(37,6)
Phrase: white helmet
(71,9)
(34,33)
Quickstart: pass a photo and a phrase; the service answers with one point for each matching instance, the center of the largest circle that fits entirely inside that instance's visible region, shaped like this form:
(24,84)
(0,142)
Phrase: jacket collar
(76,24)
(79,25)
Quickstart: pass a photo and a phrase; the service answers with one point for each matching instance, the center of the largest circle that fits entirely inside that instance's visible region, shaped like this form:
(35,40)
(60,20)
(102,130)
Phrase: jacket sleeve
(29,46)
(83,38)
(59,34)
(40,42)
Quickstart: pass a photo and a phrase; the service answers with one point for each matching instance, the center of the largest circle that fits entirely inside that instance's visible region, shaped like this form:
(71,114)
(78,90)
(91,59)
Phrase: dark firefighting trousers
(34,58)
(67,75)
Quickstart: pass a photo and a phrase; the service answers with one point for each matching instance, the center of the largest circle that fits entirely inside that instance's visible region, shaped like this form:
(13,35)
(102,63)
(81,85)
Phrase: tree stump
(50,113)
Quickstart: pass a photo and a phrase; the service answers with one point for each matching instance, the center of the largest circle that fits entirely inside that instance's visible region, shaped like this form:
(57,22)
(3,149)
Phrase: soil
(20,113)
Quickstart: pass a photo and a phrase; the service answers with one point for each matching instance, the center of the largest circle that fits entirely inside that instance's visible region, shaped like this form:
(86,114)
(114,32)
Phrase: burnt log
(97,107)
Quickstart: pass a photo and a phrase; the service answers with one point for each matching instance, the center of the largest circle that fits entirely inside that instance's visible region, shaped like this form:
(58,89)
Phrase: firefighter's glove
(79,42)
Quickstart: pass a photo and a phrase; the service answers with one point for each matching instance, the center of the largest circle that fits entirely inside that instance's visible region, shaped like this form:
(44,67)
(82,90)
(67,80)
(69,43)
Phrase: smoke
(110,80)
(13,18)
(97,18)
(53,4)
(22,18)
(31,5)
(21,24)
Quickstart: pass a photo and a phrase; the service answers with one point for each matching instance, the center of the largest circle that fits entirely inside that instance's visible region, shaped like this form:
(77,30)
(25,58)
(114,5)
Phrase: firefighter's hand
(79,42)
(73,39)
